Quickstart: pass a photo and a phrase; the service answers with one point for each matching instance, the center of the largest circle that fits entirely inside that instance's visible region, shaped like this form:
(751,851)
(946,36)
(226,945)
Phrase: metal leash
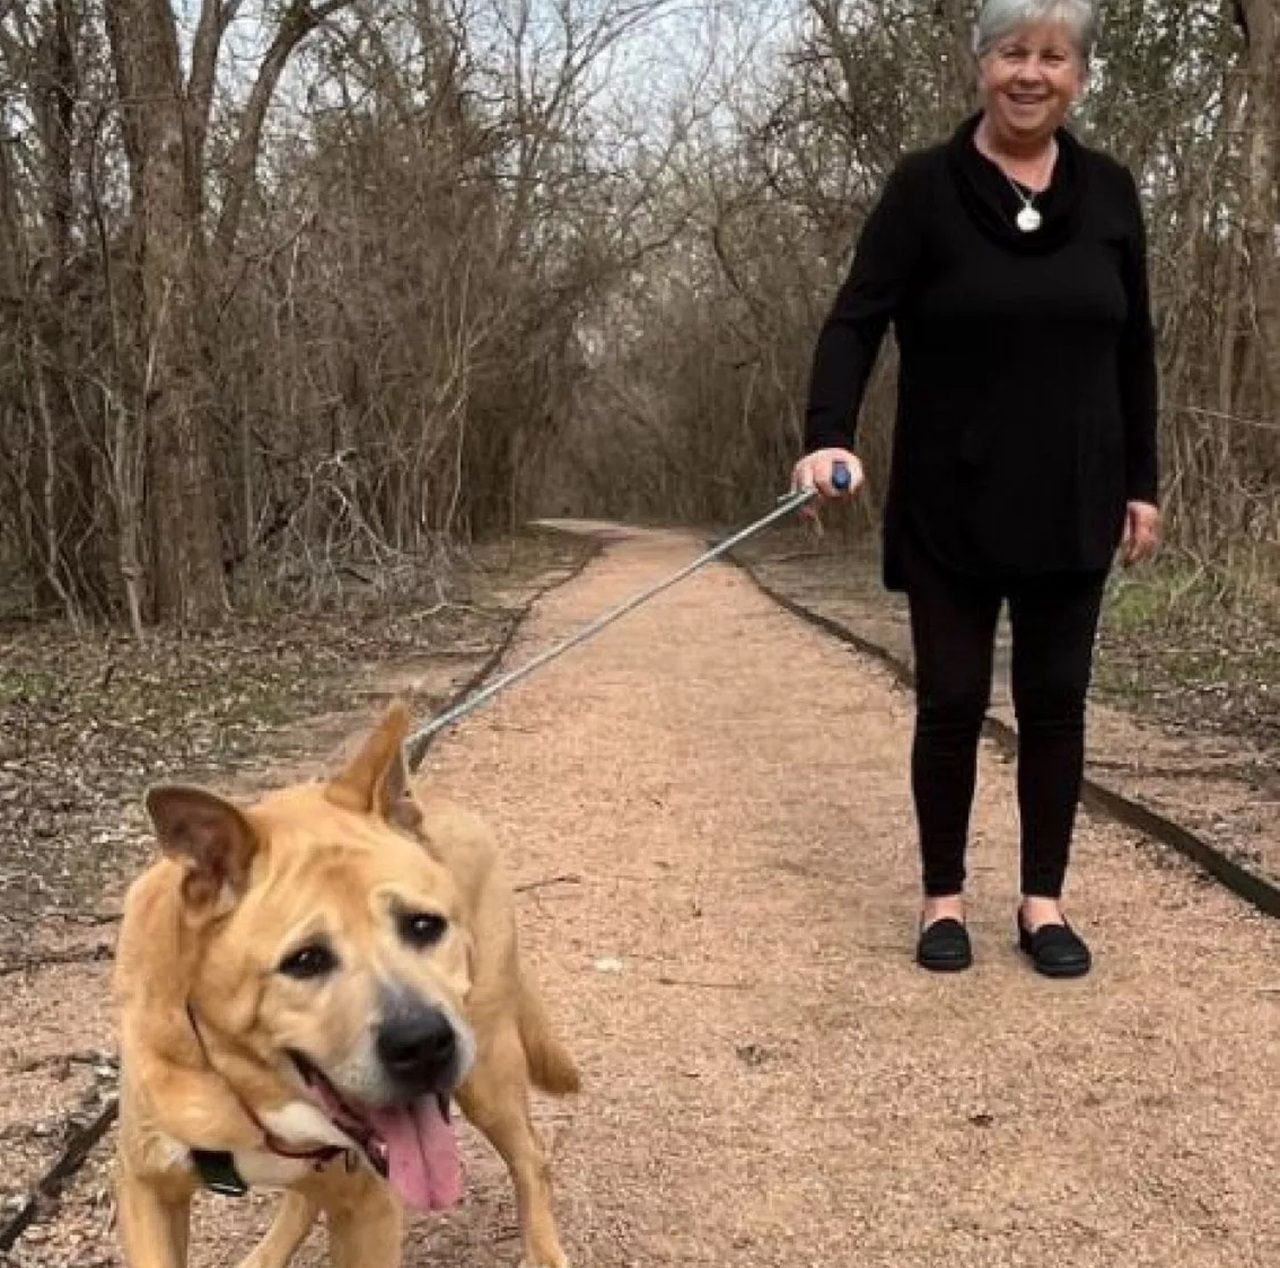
(415,744)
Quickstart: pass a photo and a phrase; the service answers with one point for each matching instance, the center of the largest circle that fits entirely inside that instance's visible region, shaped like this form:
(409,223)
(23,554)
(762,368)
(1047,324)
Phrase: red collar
(322,1153)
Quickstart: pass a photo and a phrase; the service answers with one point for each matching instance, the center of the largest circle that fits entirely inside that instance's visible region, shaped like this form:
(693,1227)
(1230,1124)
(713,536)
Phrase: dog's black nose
(418,1050)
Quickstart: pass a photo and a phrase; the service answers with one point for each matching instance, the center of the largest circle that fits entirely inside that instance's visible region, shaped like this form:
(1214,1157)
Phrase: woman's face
(1028,81)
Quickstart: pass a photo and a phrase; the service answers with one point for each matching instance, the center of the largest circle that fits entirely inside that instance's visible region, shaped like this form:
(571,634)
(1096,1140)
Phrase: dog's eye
(314,960)
(422,928)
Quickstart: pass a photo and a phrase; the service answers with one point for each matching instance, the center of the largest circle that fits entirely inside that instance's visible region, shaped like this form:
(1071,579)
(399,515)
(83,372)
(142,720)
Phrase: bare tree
(166,126)
(326,289)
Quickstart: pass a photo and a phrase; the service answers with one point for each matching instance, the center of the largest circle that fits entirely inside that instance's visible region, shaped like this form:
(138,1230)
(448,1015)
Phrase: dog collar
(217,1171)
(217,1167)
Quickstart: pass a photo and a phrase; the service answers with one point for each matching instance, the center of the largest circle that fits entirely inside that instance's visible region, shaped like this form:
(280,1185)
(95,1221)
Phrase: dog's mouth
(411,1144)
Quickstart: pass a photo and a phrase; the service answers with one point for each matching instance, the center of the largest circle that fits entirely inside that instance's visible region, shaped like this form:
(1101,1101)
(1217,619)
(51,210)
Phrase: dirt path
(709,804)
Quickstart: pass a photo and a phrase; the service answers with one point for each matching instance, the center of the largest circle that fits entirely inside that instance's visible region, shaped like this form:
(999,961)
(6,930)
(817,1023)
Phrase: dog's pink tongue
(422,1154)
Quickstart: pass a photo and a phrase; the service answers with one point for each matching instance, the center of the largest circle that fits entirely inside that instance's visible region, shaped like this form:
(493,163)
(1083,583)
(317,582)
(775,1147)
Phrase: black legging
(1053,621)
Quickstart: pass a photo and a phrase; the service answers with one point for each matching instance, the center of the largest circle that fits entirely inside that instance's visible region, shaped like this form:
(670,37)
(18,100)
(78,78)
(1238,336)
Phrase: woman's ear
(1082,88)
(1082,80)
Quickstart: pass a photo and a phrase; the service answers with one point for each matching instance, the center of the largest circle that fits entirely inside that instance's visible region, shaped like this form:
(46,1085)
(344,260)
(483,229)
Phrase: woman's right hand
(814,471)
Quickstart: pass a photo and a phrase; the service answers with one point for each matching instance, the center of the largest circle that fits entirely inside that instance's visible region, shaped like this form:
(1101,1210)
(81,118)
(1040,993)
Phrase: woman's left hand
(1141,533)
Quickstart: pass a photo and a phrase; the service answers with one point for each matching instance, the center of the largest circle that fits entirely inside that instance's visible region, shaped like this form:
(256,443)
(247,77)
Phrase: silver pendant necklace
(1029,218)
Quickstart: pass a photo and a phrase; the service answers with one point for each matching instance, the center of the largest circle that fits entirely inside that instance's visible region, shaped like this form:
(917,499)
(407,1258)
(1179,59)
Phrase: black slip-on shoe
(944,946)
(1055,950)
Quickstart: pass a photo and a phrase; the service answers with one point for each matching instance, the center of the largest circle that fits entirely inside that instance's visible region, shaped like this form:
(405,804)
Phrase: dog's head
(334,955)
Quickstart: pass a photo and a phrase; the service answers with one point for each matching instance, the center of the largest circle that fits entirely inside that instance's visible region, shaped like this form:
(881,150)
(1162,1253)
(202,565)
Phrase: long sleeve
(885,260)
(1138,385)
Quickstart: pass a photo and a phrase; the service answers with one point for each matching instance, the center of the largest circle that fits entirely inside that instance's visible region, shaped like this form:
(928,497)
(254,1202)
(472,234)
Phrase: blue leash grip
(841,477)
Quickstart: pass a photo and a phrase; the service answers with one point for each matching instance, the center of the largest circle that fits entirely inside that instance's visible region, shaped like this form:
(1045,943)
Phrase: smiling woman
(1011,262)
(1032,58)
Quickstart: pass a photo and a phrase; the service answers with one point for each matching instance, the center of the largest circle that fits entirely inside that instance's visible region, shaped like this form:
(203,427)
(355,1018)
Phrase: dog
(305,986)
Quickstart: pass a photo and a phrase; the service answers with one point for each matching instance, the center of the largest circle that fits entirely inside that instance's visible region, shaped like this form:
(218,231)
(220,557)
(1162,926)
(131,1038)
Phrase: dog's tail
(551,1066)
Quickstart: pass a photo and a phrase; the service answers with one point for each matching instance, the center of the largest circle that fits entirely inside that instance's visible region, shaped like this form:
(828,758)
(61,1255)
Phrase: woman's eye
(315,960)
(422,928)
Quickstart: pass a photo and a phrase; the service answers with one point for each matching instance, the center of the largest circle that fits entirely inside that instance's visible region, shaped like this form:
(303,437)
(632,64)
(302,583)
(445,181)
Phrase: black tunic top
(1026,413)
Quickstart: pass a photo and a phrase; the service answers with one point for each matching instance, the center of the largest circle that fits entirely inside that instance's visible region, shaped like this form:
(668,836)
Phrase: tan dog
(305,985)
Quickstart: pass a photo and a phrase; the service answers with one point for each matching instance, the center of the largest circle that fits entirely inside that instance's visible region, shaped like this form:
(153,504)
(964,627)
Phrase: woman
(1011,260)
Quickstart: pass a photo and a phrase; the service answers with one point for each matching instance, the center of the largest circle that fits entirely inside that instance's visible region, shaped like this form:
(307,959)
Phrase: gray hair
(1000,17)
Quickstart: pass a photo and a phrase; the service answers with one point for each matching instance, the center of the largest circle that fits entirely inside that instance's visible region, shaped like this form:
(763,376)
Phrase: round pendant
(1028,220)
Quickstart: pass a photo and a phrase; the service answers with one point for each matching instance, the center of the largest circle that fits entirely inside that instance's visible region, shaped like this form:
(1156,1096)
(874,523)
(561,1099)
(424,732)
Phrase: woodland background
(291,291)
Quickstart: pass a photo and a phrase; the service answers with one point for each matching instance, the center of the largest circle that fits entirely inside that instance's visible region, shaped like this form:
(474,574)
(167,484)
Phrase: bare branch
(297,23)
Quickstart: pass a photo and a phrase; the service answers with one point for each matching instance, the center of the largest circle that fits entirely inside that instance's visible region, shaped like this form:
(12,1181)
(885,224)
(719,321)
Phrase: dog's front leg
(495,1098)
(287,1232)
(154,1227)
(366,1223)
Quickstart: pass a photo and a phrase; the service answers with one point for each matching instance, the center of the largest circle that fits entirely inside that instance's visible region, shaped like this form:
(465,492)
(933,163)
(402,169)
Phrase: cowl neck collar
(992,203)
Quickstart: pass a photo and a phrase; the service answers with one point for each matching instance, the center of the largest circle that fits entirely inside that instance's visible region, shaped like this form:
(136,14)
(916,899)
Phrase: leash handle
(841,481)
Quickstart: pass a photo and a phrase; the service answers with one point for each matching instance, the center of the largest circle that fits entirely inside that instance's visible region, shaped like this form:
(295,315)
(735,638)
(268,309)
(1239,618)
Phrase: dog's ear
(206,832)
(376,779)
(396,802)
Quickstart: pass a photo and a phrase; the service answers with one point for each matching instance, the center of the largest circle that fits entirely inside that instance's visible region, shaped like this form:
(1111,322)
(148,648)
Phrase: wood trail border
(1252,887)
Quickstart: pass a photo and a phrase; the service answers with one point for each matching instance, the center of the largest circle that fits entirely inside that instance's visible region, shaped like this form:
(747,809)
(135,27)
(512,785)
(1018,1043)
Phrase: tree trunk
(73,565)
(188,585)
(1261,22)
